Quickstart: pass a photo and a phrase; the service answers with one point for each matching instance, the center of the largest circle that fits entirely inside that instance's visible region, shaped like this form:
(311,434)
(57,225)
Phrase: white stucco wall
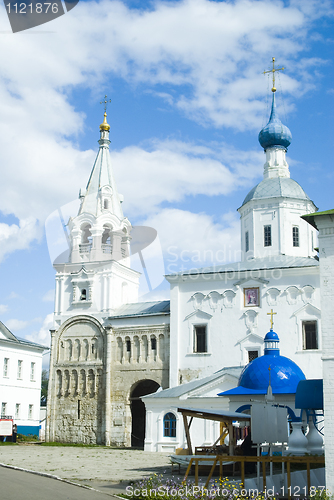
(233,329)
(22,390)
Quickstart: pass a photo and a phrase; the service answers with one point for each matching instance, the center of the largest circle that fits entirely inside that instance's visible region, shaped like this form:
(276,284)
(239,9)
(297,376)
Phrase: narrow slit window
(246,241)
(200,341)
(267,236)
(128,345)
(310,335)
(295,236)
(153,343)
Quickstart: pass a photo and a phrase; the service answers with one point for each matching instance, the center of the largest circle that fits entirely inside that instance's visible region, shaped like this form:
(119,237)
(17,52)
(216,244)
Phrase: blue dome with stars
(284,374)
(275,134)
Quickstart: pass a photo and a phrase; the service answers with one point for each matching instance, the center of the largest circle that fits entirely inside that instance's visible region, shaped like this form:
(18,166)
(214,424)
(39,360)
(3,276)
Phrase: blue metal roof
(142,309)
(310,395)
(271,336)
(254,379)
(276,187)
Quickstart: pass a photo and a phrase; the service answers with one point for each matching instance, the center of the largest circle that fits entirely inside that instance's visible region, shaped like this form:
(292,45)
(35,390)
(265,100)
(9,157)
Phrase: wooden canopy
(228,417)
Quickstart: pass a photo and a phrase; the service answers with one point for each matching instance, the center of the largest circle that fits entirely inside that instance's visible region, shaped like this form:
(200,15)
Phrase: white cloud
(18,237)
(14,295)
(193,240)
(43,335)
(3,308)
(15,325)
(172,170)
(209,55)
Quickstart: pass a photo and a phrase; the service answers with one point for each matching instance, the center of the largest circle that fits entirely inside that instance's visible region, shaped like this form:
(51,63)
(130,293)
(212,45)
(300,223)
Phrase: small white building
(164,425)
(20,381)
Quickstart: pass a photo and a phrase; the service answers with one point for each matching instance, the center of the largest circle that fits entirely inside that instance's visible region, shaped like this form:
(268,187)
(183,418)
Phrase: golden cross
(273,72)
(105,102)
(271,314)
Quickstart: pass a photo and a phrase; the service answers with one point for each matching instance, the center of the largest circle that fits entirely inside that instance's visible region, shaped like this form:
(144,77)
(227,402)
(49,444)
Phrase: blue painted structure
(310,395)
(28,430)
(284,374)
(275,134)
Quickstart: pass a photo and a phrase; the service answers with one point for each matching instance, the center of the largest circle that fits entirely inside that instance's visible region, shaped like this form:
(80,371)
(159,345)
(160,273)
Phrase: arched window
(106,239)
(86,235)
(169,425)
(106,235)
(83,295)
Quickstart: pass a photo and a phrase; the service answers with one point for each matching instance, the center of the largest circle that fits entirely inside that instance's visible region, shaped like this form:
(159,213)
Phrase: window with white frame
(32,371)
(5,367)
(3,409)
(310,335)
(169,425)
(252,355)
(19,369)
(30,411)
(200,338)
(267,236)
(295,236)
(17,410)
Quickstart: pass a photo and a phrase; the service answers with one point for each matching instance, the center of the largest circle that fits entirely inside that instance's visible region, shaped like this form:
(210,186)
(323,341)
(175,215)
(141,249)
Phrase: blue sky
(188,100)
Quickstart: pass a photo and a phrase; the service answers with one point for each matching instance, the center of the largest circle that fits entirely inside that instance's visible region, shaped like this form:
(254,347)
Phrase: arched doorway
(138,412)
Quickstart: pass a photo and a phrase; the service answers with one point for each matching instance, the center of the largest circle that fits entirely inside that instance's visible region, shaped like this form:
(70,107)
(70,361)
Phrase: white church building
(108,350)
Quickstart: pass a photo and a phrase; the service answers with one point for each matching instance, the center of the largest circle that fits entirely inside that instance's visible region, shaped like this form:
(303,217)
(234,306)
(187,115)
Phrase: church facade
(109,350)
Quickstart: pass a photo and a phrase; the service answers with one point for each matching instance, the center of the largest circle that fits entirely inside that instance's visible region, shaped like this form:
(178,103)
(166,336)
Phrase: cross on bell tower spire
(105,125)
(105,102)
(271,314)
(273,72)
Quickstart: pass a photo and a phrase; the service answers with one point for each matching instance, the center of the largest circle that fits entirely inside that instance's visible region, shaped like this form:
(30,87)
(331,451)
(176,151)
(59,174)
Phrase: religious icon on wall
(251,297)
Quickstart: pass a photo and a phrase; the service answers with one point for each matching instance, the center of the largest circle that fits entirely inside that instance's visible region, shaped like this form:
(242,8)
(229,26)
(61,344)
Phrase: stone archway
(138,412)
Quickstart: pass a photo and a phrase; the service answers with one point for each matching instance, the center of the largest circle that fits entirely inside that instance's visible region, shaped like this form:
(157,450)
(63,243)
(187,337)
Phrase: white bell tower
(270,214)
(97,279)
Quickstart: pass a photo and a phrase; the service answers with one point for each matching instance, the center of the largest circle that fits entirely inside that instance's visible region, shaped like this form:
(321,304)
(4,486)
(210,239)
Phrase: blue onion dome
(284,373)
(275,134)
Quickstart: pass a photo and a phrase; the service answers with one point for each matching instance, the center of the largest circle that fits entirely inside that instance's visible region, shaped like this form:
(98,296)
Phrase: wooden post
(308,476)
(243,472)
(264,474)
(288,470)
(186,428)
(211,471)
(196,472)
(188,469)
(231,439)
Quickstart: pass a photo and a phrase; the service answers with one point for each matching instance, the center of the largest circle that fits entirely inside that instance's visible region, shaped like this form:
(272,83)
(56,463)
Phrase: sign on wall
(6,427)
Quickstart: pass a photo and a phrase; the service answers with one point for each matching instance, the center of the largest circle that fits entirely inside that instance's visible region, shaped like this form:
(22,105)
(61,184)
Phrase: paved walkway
(106,469)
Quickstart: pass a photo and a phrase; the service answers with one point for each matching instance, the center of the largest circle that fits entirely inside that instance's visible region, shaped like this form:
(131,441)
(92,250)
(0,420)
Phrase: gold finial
(105,125)
(271,314)
(273,72)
